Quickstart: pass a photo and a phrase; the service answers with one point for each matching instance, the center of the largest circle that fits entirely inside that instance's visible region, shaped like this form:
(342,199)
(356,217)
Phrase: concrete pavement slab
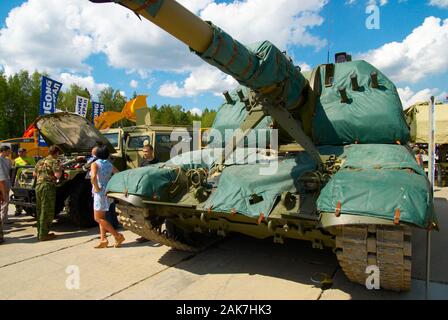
(240,268)
(102,272)
(343,289)
(21,241)
(439,240)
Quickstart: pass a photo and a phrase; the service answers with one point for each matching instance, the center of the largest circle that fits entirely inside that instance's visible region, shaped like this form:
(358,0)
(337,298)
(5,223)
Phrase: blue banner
(81,106)
(48,99)
(97,110)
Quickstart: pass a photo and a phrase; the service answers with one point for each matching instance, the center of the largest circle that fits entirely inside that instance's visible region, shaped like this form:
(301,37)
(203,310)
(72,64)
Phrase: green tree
(3,115)
(114,101)
(20,99)
(208,116)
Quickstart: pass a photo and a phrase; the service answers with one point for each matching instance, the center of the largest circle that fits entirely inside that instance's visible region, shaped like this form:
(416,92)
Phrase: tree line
(20,98)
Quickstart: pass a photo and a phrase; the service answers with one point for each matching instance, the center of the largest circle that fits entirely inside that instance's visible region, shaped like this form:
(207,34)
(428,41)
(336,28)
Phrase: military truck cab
(129,142)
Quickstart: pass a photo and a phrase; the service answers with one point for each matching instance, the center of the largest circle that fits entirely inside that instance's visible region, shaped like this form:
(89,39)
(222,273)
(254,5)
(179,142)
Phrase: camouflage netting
(376,180)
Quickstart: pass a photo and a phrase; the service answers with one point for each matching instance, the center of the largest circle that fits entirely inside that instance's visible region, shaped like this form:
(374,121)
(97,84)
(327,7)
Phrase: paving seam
(45,254)
(212,245)
(149,277)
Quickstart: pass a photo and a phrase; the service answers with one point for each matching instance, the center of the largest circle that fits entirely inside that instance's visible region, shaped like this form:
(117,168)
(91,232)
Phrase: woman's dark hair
(102,153)
(4,148)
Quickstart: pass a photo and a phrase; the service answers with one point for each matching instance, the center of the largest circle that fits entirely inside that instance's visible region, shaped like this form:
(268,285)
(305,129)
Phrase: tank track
(388,247)
(133,219)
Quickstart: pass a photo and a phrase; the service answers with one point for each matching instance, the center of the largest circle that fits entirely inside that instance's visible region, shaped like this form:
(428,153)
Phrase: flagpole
(431,165)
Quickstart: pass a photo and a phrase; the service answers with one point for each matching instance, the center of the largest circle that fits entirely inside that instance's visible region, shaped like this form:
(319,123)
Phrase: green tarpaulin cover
(375,180)
(230,117)
(370,116)
(239,183)
(150,182)
(258,66)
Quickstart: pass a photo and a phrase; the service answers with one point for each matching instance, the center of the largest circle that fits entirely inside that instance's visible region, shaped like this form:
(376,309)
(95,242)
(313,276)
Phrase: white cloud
(439,3)
(376,2)
(44,35)
(196,111)
(305,66)
(59,36)
(409,97)
(150,82)
(370,2)
(133,83)
(284,22)
(420,54)
(88,82)
(203,79)
(195,5)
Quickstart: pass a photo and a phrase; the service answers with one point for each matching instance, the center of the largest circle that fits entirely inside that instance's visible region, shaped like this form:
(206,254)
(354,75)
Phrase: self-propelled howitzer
(356,189)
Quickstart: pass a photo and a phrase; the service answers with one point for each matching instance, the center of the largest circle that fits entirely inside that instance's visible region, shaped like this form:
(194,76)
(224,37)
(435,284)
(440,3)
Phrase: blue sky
(114,48)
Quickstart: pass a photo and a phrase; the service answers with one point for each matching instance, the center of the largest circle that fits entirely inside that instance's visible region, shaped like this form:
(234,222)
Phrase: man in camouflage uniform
(48,170)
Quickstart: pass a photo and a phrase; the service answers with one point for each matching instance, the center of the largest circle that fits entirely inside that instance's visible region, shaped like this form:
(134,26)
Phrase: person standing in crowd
(3,194)
(89,162)
(111,216)
(418,155)
(148,156)
(101,172)
(48,170)
(23,160)
(6,163)
(148,159)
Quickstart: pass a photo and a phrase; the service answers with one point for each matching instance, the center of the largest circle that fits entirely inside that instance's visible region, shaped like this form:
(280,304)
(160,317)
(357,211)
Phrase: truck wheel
(79,203)
(31,212)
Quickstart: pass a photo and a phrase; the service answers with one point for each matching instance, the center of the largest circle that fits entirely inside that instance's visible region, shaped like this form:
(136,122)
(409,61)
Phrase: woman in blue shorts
(101,172)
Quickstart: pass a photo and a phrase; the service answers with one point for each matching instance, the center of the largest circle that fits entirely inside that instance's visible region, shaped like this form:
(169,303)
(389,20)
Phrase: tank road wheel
(79,203)
(157,230)
(388,247)
(190,237)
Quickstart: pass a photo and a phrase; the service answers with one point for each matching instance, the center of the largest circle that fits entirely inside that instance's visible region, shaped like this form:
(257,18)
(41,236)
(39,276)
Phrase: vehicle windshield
(138,142)
(113,138)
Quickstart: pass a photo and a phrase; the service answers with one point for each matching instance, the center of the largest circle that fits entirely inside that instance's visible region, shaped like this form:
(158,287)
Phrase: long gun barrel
(278,87)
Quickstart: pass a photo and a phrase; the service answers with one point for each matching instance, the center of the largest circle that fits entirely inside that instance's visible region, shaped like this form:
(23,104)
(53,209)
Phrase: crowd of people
(47,172)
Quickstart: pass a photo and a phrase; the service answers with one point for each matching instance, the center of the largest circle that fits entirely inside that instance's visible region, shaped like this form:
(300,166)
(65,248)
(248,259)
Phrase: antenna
(328,35)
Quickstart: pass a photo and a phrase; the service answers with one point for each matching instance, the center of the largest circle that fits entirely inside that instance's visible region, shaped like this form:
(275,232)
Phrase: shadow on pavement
(238,254)
(297,261)
(23,230)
